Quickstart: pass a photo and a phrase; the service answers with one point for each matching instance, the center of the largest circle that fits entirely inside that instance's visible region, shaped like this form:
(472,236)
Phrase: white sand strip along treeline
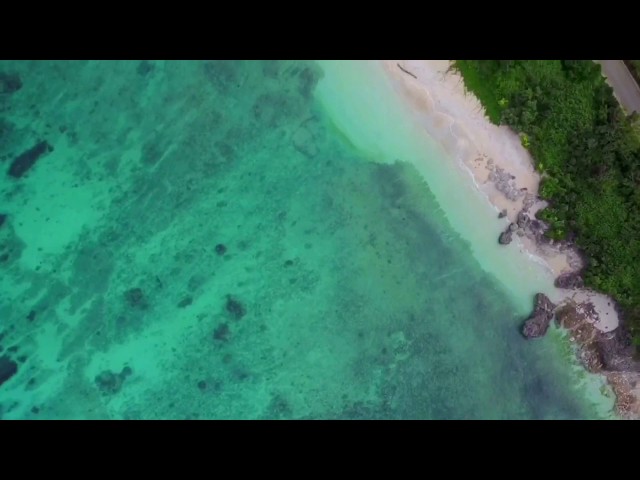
(456,119)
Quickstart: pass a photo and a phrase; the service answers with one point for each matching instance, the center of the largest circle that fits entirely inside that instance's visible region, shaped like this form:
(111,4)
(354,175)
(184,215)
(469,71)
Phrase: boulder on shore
(569,280)
(523,220)
(538,323)
(505,237)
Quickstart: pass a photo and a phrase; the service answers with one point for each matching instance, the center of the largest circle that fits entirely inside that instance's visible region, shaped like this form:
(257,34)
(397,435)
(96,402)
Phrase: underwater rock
(185,302)
(110,383)
(235,308)
(135,298)
(538,323)
(8,368)
(274,109)
(220,249)
(145,67)
(304,142)
(307,81)
(31,316)
(6,129)
(23,162)
(9,83)
(221,333)
(3,217)
(222,74)
(279,408)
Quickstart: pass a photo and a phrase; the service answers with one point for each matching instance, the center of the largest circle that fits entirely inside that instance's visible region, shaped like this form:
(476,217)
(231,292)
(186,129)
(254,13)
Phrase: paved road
(624,86)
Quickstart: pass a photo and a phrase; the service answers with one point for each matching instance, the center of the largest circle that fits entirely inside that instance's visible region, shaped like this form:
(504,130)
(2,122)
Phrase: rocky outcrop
(537,228)
(570,280)
(504,182)
(625,386)
(505,237)
(523,219)
(538,323)
(617,351)
(611,353)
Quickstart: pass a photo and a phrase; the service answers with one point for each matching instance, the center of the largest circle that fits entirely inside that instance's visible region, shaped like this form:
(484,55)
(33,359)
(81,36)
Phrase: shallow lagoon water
(253,240)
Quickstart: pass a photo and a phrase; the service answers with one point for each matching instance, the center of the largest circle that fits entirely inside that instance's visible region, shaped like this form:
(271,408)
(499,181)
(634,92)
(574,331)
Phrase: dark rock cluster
(505,237)
(9,83)
(571,280)
(504,182)
(185,302)
(135,298)
(23,162)
(235,308)
(538,323)
(221,333)
(609,351)
(519,227)
(8,368)
(110,383)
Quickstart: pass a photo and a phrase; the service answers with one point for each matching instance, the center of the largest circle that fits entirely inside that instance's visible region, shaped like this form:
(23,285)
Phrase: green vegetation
(589,154)
(634,68)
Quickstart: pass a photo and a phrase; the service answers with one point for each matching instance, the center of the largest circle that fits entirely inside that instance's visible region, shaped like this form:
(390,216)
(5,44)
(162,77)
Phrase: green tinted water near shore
(242,240)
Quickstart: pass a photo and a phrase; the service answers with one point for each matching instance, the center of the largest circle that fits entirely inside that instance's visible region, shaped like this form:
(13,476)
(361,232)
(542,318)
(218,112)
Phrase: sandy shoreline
(497,163)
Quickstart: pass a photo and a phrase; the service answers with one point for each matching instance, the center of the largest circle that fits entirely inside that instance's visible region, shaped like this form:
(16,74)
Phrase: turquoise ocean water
(252,240)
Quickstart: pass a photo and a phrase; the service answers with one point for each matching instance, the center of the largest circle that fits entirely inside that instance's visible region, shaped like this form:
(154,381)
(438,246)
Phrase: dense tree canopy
(588,152)
(634,67)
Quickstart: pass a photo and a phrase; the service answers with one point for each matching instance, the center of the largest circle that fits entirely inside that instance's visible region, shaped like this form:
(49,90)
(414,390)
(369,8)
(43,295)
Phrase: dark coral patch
(235,308)
(135,298)
(9,83)
(23,162)
(8,368)
(221,333)
(185,302)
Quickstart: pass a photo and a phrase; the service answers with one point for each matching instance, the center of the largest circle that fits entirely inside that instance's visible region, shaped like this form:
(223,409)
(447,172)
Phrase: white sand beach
(456,119)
